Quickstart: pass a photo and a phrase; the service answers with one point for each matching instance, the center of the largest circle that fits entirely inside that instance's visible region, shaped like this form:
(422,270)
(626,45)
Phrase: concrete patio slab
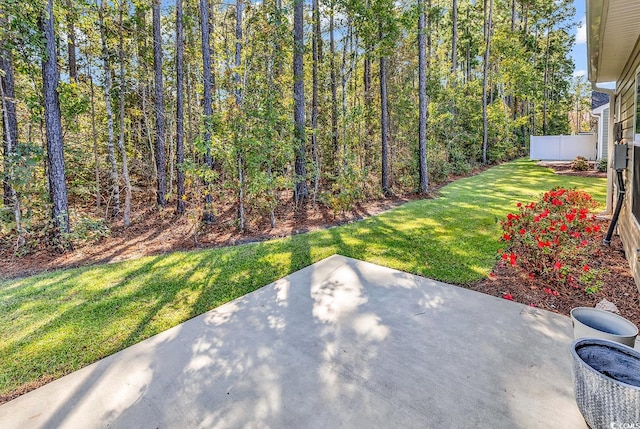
(342,343)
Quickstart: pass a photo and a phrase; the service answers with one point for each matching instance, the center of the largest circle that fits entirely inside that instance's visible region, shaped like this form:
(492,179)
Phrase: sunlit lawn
(55,323)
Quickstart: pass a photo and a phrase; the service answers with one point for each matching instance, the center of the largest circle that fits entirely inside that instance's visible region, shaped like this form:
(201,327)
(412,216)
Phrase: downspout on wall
(610,173)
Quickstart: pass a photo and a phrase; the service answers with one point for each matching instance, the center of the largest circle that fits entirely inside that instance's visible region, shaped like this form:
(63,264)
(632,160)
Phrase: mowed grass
(55,323)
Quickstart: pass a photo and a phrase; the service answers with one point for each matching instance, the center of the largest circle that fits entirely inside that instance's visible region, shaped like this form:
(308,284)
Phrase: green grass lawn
(55,323)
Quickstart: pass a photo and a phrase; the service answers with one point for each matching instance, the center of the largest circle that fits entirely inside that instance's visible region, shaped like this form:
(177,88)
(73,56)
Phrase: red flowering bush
(553,238)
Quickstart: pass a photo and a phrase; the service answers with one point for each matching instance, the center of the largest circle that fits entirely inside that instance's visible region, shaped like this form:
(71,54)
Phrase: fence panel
(562,148)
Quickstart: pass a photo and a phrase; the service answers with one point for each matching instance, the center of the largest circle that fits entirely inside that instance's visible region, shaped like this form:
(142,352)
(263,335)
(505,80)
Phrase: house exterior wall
(628,226)
(604,135)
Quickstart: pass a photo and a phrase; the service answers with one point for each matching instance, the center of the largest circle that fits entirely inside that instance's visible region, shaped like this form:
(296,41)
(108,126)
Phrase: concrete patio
(342,343)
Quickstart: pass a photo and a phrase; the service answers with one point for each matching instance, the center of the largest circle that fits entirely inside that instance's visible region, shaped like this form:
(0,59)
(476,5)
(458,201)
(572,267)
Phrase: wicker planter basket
(607,382)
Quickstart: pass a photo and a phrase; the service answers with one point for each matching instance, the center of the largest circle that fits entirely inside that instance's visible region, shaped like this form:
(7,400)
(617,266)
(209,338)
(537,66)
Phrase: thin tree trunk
(55,151)
(334,96)
(546,84)
(454,38)
(71,40)
(429,45)
(208,216)
(10,135)
(115,187)
(238,96)
(384,124)
(10,130)
(123,151)
(344,77)
(485,124)
(161,199)
(94,135)
(301,191)
(189,112)
(314,99)
(468,58)
(180,206)
(422,93)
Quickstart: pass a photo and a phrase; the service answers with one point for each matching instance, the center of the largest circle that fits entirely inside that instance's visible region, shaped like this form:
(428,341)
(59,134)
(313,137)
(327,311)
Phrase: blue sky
(579,51)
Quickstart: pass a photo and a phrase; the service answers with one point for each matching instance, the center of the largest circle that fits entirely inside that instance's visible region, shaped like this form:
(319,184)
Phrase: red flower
(506,237)
(505,256)
(585,268)
(519,204)
(576,235)
(556,202)
(557,266)
(536,218)
(584,242)
(588,230)
(512,259)
(596,228)
(508,296)
(522,231)
(563,227)
(570,217)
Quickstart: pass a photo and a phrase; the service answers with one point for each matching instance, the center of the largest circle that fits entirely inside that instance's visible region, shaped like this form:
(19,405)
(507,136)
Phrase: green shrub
(580,164)
(602,166)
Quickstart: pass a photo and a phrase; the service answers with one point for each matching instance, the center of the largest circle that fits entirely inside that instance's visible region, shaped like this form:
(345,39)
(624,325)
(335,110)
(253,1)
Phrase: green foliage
(87,229)
(602,165)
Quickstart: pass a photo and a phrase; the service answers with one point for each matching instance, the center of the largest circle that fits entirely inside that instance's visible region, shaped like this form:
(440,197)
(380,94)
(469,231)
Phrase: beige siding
(628,227)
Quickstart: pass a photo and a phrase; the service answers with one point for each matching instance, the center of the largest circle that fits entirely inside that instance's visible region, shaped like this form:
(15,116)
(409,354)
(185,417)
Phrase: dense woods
(189,105)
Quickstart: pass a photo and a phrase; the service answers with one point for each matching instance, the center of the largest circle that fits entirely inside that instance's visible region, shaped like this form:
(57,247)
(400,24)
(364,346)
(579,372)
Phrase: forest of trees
(188,104)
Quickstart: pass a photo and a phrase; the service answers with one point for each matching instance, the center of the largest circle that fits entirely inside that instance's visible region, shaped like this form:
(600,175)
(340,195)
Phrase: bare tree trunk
(123,151)
(513,15)
(454,38)
(301,191)
(115,187)
(429,45)
(10,130)
(10,135)
(422,94)
(468,59)
(180,206)
(161,199)
(314,100)
(55,151)
(344,77)
(334,96)
(94,135)
(208,216)
(546,84)
(238,95)
(485,124)
(384,124)
(71,41)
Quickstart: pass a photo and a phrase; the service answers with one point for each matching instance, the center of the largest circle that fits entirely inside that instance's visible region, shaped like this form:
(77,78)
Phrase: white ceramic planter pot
(595,323)
(607,383)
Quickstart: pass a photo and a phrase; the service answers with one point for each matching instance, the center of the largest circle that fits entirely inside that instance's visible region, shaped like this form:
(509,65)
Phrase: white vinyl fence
(562,148)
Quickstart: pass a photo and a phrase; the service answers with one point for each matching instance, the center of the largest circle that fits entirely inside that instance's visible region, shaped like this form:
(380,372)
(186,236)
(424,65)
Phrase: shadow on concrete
(341,343)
